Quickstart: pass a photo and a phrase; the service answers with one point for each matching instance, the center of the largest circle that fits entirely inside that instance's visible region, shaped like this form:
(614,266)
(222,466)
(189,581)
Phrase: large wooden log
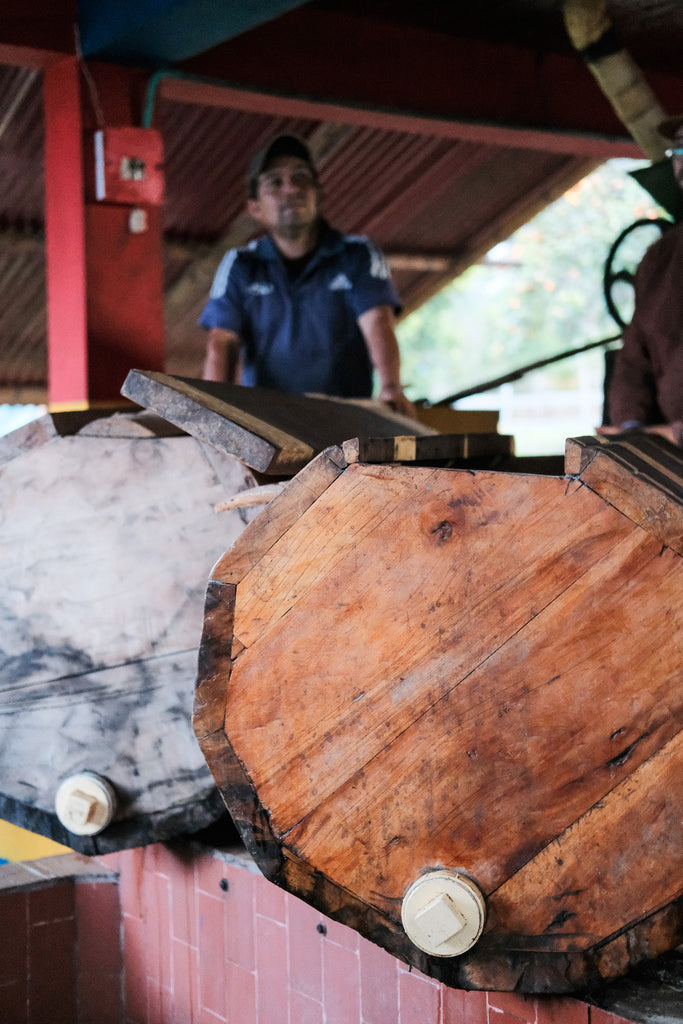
(409,668)
(108,528)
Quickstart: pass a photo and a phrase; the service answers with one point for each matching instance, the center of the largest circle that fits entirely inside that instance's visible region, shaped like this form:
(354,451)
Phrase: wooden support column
(104,257)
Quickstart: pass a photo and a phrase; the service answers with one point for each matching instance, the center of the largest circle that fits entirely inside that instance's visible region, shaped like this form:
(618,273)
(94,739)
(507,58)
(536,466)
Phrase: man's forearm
(377,326)
(221,361)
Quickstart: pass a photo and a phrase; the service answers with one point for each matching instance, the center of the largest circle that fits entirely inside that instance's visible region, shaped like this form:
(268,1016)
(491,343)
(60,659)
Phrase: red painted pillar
(67,348)
(104,255)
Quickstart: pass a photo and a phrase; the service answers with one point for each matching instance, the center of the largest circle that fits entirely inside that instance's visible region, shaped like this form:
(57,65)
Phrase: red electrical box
(129,166)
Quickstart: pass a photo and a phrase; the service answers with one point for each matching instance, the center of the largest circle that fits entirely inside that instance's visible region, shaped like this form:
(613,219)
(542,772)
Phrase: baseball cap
(281,145)
(670,126)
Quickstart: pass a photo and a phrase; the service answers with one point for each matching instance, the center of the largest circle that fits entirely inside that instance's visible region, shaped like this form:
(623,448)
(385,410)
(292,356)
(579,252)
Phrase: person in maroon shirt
(646,389)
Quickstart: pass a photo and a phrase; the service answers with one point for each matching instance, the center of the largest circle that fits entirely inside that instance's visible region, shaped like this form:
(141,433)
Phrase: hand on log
(673,432)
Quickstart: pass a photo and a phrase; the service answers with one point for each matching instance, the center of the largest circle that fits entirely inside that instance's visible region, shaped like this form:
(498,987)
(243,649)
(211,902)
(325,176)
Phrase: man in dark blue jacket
(303,308)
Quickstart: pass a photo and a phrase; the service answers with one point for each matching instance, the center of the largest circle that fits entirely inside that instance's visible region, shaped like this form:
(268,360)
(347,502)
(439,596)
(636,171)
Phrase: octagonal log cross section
(409,668)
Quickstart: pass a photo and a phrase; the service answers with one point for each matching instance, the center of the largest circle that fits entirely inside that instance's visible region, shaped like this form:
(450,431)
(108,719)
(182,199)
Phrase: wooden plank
(112,422)
(648,456)
(107,543)
(317,543)
(215,422)
(381,594)
(583,973)
(129,723)
(442,448)
(271,431)
(245,810)
(435,668)
(215,652)
(32,435)
(640,474)
(459,421)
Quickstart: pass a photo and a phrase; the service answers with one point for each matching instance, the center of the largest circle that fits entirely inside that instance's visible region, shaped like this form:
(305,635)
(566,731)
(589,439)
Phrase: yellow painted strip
(18,844)
(82,405)
(68,406)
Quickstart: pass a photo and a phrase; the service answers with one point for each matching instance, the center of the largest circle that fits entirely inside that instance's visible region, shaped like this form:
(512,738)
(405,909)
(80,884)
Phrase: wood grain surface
(640,474)
(473,670)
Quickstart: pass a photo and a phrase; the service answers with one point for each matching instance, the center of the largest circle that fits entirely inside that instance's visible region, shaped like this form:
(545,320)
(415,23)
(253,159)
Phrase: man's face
(676,160)
(287,196)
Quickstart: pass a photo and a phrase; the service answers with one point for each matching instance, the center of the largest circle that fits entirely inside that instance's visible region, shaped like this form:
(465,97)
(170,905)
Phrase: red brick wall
(209,941)
(60,943)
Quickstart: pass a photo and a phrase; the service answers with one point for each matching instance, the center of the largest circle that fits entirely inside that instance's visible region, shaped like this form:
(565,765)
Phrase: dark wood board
(441,450)
(277,433)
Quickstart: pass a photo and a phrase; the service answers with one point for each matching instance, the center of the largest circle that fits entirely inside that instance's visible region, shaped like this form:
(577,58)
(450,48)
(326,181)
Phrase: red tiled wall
(209,941)
(37,953)
(60,948)
(99,981)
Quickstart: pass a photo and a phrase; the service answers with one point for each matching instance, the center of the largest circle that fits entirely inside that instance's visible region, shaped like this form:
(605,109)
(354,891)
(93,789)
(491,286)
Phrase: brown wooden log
(479,671)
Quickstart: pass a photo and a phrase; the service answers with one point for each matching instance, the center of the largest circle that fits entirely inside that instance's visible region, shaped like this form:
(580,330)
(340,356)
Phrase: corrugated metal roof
(23,349)
(21,148)
(433,201)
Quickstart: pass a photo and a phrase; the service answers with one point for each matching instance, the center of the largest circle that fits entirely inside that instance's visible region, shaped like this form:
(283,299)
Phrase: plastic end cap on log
(443,913)
(85,803)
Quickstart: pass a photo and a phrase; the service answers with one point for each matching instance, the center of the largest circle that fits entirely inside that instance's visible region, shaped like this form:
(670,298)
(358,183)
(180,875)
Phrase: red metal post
(104,256)
(65,237)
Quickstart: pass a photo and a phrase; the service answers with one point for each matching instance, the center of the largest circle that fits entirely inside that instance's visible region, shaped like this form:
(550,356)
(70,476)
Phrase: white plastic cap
(85,803)
(443,913)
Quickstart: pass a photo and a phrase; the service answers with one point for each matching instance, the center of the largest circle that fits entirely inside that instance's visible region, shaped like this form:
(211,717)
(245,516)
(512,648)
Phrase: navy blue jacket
(302,335)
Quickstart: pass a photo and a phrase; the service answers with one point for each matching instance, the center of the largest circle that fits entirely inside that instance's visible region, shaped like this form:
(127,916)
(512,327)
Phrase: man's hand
(393,395)
(608,431)
(673,432)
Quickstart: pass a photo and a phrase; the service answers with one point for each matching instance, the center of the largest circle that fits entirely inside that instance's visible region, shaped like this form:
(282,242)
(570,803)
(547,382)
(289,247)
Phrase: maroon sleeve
(632,392)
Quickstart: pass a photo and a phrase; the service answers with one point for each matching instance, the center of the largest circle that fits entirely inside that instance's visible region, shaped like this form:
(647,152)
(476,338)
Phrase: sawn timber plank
(550,898)
(273,432)
(369,592)
(435,668)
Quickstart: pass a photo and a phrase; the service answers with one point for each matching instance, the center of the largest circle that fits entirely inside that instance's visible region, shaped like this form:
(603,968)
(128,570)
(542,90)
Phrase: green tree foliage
(537,294)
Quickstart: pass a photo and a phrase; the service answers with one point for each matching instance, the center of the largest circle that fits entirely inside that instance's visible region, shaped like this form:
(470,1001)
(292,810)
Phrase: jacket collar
(330,241)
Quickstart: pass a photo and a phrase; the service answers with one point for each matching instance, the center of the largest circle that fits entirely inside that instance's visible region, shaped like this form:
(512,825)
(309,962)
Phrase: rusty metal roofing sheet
(21,147)
(435,204)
